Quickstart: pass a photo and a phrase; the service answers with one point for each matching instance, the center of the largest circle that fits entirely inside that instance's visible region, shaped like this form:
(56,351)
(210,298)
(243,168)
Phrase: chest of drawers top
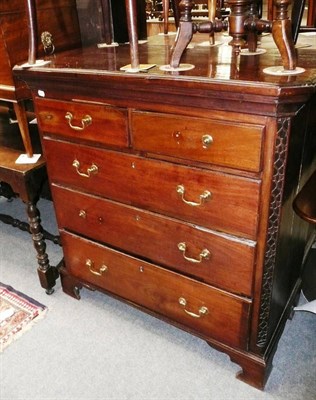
(217,81)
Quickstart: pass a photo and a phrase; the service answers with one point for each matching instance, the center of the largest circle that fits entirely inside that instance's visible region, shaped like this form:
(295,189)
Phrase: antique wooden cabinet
(173,190)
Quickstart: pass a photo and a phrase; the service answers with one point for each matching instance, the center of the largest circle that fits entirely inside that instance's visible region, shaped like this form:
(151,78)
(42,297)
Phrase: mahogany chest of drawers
(174,193)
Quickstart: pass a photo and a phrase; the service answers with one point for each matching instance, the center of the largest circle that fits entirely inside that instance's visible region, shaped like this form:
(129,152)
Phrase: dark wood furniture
(28,182)
(310,24)
(103,22)
(305,202)
(173,190)
(305,206)
(56,19)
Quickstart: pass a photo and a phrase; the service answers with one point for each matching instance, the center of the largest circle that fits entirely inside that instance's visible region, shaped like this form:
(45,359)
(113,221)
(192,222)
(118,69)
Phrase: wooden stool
(25,181)
(305,206)
(18,40)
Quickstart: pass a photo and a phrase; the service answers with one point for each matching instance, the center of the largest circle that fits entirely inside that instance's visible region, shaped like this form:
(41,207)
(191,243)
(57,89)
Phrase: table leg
(165,9)
(185,32)
(19,109)
(47,273)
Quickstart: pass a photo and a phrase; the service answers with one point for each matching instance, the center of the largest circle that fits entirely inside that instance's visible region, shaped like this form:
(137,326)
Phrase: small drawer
(221,260)
(211,313)
(209,141)
(89,122)
(215,200)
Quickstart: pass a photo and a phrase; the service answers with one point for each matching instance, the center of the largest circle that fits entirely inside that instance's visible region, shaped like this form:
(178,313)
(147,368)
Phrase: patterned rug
(18,313)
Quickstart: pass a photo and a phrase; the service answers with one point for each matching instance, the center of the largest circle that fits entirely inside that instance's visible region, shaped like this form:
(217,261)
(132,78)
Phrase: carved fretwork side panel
(280,156)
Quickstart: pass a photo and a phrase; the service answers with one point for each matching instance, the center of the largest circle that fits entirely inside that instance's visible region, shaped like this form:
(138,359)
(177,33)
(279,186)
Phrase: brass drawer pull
(90,264)
(207,140)
(93,170)
(202,311)
(206,195)
(85,121)
(205,254)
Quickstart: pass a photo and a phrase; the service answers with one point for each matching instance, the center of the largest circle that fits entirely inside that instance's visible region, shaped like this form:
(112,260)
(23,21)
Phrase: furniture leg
(107,21)
(19,109)
(311,14)
(185,32)
(211,17)
(70,285)
(165,9)
(47,273)
(175,8)
(132,33)
(25,227)
(281,32)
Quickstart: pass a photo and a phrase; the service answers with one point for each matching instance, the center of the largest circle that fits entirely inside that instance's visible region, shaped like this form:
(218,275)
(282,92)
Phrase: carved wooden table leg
(281,32)
(47,274)
(282,35)
(185,32)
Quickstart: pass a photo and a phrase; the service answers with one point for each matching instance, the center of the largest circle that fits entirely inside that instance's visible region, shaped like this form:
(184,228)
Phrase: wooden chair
(57,17)
(305,207)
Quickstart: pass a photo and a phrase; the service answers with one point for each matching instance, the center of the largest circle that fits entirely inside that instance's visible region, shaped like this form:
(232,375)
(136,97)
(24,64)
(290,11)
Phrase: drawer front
(216,142)
(208,311)
(220,260)
(89,122)
(218,201)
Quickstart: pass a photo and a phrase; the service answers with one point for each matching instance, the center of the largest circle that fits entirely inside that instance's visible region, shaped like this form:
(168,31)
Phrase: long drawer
(203,309)
(217,142)
(221,260)
(215,200)
(89,122)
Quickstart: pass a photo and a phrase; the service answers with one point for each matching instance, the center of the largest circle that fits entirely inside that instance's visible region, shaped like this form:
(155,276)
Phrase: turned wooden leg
(19,109)
(47,274)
